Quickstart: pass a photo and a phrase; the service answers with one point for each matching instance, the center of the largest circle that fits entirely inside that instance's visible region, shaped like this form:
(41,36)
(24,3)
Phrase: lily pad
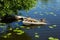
(56,39)
(17,28)
(19,33)
(51,38)
(36,33)
(38,26)
(28,28)
(9,33)
(2,26)
(5,36)
(50,26)
(22,26)
(36,36)
(10,28)
(54,25)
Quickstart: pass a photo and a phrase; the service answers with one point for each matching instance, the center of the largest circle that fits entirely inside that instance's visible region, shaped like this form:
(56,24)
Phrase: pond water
(51,12)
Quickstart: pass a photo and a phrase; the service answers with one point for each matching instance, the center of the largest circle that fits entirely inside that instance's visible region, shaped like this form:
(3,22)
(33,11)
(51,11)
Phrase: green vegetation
(12,6)
(52,38)
(36,36)
(15,34)
(52,26)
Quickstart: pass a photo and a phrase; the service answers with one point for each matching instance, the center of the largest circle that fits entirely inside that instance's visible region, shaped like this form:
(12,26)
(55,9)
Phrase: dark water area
(51,12)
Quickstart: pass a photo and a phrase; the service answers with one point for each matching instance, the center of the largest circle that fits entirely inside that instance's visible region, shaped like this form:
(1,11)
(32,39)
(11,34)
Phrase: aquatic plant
(52,26)
(38,26)
(53,38)
(17,34)
(9,33)
(22,26)
(36,36)
(18,31)
(10,29)
(5,36)
(36,33)
(27,27)
(17,28)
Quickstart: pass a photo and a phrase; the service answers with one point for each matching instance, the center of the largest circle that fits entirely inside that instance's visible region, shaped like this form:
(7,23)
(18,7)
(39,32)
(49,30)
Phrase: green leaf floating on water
(2,26)
(9,34)
(38,26)
(10,28)
(19,32)
(36,33)
(17,28)
(56,39)
(52,26)
(53,38)
(36,36)
(28,28)
(22,26)
(5,36)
